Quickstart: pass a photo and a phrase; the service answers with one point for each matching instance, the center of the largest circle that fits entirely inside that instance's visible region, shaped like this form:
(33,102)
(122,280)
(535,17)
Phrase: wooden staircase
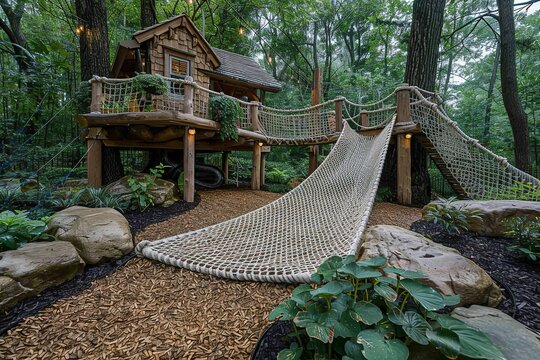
(441,165)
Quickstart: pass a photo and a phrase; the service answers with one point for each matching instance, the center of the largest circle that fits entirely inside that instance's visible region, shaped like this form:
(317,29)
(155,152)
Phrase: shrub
(277,176)
(17,229)
(357,311)
(278,188)
(151,84)
(384,194)
(226,111)
(9,196)
(100,197)
(69,198)
(141,198)
(454,219)
(526,232)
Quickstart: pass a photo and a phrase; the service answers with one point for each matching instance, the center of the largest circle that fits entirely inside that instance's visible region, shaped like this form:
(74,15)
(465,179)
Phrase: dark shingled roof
(245,69)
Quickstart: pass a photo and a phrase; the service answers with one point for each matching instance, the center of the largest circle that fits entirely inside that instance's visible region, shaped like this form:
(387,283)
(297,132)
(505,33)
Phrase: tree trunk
(14,13)
(512,104)
(491,88)
(93,38)
(421,71)
(148,13)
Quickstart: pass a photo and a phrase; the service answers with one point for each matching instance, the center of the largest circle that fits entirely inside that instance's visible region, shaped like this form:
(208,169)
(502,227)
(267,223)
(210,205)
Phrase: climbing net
(480,172)
(371,115)
(285,240)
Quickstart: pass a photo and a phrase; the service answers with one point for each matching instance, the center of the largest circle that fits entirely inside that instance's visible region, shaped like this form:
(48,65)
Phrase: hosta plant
(367,311)
(17,229)
(455,219)
(526,233)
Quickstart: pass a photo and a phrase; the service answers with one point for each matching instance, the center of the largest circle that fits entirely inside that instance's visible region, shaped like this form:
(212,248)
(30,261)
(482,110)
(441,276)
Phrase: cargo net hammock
(287,239)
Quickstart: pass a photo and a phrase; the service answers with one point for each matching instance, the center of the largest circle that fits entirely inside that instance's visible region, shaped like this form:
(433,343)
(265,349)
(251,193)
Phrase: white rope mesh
(287,239)
(480,172)
(118,96)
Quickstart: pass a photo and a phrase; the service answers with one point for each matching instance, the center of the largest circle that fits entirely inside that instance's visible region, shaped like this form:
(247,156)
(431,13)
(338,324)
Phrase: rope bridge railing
(481,173)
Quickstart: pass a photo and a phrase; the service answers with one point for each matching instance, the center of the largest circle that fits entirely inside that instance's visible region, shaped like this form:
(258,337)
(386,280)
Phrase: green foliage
(100,197)
(227,112)
(9,196)
(180,182)
(384,194)
(17,229)
(454,219)
(365,310)
(67,199)
(151,84)
(519,191)
(141,198)
(277,176)
(526,233)
(278,188)
(83,97)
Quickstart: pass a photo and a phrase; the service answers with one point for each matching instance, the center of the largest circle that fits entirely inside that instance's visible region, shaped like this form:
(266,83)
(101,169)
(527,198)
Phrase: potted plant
(366,310)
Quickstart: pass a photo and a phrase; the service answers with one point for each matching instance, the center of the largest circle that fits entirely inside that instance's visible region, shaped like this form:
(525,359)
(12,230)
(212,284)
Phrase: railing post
(97,93)
(189,164)
(188,96)
(256,166)
(364,118)
(254,115)
(403,115)
(339,114)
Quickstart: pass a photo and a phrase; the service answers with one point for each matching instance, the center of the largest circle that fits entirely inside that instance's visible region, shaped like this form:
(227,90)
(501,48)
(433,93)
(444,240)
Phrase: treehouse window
(178,69)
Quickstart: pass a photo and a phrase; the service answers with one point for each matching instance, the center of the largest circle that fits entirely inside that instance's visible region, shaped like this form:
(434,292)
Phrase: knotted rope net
(287,239)
(481,173)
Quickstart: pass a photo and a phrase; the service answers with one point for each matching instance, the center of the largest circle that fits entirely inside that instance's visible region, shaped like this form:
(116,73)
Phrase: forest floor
(148,310)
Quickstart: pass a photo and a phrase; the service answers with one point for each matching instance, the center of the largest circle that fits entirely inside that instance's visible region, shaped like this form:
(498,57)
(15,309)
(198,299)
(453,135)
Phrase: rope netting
(287,239)
(481,173)
(371,115)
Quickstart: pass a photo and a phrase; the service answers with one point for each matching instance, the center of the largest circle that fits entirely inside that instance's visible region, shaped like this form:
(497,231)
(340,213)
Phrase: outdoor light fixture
(192,132)
(241,30)
(408,136)
(270,59)
(261,144)
(79,29)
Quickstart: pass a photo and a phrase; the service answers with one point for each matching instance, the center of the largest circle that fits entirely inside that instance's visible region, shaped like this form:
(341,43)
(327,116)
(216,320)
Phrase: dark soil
(518,277)
(81,282)
(272,341)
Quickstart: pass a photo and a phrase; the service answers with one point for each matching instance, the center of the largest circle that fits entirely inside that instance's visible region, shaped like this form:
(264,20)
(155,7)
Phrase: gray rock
(493,213)
(515,340)
(446,269)
(165,192)
(35,267)
(99,235)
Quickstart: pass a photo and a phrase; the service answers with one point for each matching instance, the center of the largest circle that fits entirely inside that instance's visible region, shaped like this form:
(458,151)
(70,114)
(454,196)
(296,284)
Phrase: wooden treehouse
(178,119)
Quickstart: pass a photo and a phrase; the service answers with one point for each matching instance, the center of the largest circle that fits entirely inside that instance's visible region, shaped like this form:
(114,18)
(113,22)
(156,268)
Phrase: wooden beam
(256,167)
(403,112)
(254,115)
(316,91)
(263,168)
(189,165)
(398,129)
(404,189)
(188,97)
(225,165)
(339,115)
(94,162)
(97,90)
(313,158)
(364,118)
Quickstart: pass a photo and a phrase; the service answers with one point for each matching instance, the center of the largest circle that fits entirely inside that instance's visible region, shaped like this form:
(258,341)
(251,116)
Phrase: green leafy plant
(454,219)
(141,198)
(100,198)
(384,194)
(526,233)
(277,176)
(180,182)
(17,229)
(226,111)
(9,196)
(83,97)
(365,310)
(519,191)
(151,84)
(67,199)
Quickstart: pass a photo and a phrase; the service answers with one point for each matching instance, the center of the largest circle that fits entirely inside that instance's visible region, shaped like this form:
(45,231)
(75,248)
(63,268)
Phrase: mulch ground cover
(518,277)
(138,221)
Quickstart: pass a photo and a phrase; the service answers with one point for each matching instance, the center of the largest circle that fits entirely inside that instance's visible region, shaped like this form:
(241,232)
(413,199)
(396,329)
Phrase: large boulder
(446,269)
(493,213)
(515,340)
(165,192)
(99,235)
(35,267)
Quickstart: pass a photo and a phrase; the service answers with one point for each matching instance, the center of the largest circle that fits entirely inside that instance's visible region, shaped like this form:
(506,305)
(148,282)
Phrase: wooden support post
(97,93)
(94,162)
(403,115)
(256,167)
(364,119)
(189,165)
(263,168)
(254,116)
(339,115)
(225,165)
(404,190)
(188,97)
(313,158)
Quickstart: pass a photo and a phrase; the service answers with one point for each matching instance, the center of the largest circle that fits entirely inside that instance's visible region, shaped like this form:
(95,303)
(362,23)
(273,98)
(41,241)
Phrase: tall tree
(148,13)
(93,38)
(14,12)
(509,85)
(421,71)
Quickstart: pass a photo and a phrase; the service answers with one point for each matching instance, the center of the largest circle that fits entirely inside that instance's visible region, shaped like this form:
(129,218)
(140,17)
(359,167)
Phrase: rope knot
(140,246)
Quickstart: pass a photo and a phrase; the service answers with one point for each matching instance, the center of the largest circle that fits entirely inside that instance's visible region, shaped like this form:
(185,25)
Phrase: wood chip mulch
(147,310)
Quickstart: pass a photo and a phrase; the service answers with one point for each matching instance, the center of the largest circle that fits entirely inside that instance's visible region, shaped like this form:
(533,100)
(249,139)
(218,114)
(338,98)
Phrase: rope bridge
(287,239)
